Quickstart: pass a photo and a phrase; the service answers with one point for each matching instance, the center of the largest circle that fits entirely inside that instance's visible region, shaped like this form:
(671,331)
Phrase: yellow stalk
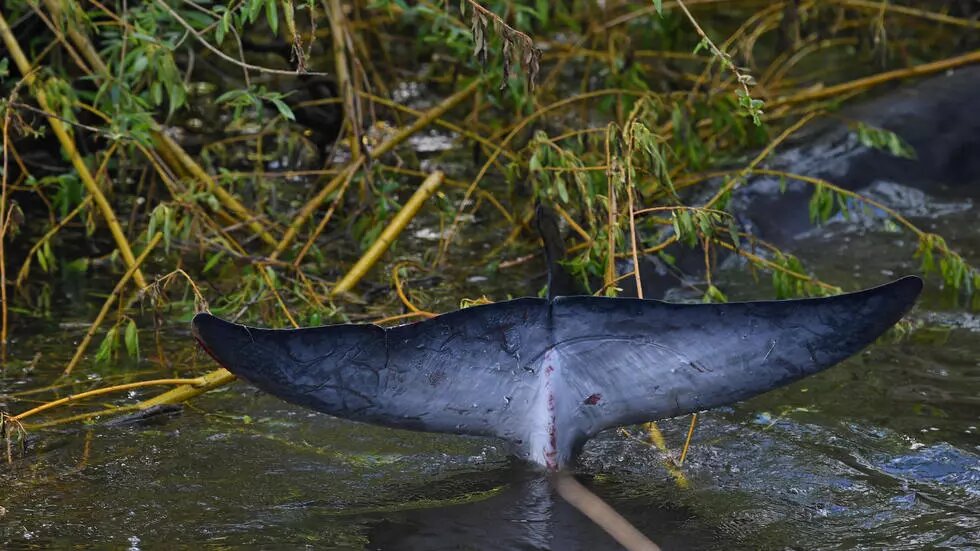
(106,390)
(881,78)
(80,351)
(189,388)
(68,144)
(213,379)
(338,32)
(690,435)
(175,152)
(390,233)
(313,204)
(171,151)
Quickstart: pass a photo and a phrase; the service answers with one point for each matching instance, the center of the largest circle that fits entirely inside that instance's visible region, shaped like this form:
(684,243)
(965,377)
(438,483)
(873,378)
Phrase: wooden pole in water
(601,513)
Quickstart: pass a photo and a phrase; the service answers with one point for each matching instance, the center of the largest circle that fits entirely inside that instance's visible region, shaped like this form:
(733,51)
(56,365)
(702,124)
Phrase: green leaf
(253,8)
(733,232)
(272,14)
(156,92)
(132,340)
(140,64)
(283,109)
(534,165)
(704,222)
(316,319)
(703,45)
(151,228)
(713,294)
(884,140)
(213,261)
(562,190)
(219,32)
(42,260)
(107,346)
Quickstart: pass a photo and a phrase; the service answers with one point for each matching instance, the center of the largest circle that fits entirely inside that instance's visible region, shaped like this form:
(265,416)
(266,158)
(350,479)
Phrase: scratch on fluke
(771,348)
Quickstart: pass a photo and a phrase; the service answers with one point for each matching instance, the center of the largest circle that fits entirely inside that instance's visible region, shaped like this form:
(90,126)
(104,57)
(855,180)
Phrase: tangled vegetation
(265,155)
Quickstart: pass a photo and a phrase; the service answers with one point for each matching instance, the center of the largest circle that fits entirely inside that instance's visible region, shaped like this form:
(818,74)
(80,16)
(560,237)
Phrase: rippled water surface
(881,451)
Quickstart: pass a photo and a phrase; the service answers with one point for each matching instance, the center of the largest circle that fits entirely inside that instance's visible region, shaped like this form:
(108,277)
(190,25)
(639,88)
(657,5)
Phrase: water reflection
(524,513)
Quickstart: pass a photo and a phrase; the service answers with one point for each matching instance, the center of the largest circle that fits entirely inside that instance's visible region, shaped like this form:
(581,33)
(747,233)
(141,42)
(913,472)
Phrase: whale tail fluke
(549,374)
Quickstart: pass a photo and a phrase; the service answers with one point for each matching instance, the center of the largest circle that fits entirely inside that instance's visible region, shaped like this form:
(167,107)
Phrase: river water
(881,451)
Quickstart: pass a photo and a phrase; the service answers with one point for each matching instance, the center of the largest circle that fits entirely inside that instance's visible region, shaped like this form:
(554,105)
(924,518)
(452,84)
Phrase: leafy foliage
(208,124)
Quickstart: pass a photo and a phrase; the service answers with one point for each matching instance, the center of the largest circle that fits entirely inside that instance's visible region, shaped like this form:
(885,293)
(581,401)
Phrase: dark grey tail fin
(547,375)
(560,280)
(652,360)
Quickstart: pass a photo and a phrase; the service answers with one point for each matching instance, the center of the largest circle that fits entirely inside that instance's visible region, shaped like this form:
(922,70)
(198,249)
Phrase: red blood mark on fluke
(551,452)
(593,399)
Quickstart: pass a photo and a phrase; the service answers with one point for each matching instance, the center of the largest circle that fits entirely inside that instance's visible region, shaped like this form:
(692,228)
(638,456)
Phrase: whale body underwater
(548,374)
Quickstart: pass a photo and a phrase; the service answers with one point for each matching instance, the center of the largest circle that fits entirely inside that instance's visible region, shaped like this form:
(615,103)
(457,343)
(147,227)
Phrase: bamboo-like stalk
(81,42)
(390,233)
(384,147)
(880,78)
(338,30)
(208,381)
(162,141)
(68,144)
(687,442)
(909,12)
(631,206)
(105,390)
(4,221)
(609,274)
(107,305)
(189,388)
